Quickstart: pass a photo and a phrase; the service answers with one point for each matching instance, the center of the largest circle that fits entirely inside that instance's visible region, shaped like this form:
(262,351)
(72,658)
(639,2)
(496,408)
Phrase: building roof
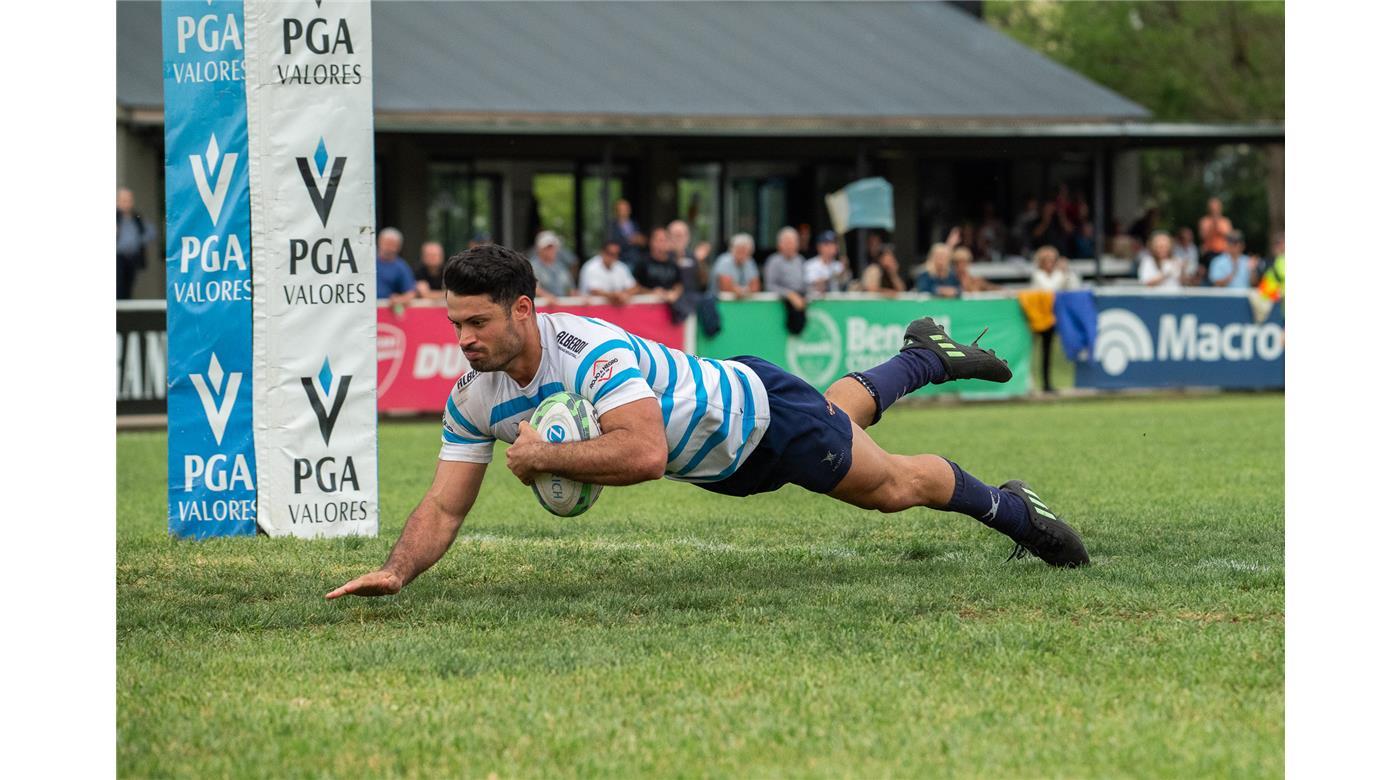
(686,67)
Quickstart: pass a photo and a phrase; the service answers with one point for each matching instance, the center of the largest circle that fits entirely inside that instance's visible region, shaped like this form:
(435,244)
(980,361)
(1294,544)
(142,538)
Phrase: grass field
(673,632)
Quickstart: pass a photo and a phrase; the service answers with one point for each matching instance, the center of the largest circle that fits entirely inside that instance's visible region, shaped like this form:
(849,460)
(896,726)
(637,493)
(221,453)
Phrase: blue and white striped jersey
(715,411)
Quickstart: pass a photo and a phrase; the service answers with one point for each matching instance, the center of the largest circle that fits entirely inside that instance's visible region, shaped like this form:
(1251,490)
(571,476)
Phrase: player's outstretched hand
(376,583)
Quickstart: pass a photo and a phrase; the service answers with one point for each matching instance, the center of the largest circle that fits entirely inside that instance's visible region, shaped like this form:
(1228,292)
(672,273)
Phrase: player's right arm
(430,529)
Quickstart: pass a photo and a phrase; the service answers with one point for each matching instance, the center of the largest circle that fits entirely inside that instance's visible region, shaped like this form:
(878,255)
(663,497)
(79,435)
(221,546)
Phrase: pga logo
(218,472)
(210,33)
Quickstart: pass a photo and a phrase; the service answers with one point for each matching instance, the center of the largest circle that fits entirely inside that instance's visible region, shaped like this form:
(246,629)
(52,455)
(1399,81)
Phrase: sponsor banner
(311,135)
(1183,341)
(211,474)
(141,357)
(854,335)
(419,358)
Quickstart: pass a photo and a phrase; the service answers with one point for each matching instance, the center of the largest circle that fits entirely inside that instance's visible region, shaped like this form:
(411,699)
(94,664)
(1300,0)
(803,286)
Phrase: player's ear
(524,307)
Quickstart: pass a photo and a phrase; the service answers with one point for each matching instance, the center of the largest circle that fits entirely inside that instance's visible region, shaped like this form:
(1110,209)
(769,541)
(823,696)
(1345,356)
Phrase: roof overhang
(1131,133)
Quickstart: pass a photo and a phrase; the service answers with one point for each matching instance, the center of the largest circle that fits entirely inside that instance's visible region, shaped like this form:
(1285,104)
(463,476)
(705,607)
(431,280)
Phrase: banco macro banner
(853,335)
(311,135)
(208,288)
(1183,341)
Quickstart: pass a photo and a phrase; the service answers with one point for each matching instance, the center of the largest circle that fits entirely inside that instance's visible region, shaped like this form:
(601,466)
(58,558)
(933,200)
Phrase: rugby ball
(565,417)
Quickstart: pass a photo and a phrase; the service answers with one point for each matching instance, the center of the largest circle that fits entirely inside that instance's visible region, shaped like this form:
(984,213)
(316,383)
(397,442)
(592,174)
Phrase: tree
(1184,62)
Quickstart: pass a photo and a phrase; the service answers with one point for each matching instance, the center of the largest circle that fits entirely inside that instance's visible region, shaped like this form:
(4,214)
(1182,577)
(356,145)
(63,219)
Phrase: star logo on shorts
(830,458)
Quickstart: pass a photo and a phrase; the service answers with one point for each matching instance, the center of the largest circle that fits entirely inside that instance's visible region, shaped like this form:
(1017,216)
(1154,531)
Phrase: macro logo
(216,396)
(556,433)
(326,400)
(323,181)
(1122,339)
(217,169)
(815,354)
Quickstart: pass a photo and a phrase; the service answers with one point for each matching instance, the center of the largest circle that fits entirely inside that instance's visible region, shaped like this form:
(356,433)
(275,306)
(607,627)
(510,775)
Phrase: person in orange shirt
(1214,228)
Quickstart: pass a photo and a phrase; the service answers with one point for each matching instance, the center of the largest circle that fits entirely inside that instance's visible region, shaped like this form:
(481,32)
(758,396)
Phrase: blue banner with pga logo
(211,476)
(1186,340)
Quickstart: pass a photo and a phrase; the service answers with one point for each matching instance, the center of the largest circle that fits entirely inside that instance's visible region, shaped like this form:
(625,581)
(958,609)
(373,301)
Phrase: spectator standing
(429,270)
(937,277)
(1231,269)
(1052,271)
(658,273)
(1083,243)
(694,272)
(626,233)
(1271,274)
(736,271)
(826,272)
(784,271)
(1214,229)
(1158,267)
(133,234)
(393,275)
(1053,229)
(1184,249)
(882,276)
(1022,227)
(606,275)
(991,234)
(967,280)
(552,278)
(1052,274)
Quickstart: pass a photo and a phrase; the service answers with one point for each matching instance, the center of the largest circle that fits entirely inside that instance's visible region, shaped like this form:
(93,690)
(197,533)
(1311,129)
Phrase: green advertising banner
(853,335)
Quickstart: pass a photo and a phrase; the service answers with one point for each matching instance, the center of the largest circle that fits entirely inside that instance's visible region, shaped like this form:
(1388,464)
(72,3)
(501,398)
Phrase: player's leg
(929,356)
(892,483)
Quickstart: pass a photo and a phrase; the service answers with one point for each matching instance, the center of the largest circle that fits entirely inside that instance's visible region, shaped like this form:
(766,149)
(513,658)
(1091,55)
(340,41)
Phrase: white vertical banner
(311,155)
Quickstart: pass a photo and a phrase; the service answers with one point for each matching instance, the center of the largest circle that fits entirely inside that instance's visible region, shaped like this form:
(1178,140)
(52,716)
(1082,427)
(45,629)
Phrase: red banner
(419,359)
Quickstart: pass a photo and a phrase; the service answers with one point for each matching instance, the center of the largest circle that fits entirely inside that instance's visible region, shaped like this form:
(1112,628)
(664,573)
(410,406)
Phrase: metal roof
(686,67)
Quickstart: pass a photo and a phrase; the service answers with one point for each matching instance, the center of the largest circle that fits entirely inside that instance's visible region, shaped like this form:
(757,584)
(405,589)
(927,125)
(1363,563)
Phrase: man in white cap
(553,278)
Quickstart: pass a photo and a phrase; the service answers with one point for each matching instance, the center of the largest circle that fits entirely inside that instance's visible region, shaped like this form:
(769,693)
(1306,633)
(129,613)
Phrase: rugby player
(738,427)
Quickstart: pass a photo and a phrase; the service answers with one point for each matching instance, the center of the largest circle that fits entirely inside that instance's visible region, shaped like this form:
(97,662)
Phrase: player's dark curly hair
(490,269)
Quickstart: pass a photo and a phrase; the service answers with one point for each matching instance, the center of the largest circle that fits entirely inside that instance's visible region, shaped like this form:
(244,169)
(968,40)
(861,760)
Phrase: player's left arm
(631,449)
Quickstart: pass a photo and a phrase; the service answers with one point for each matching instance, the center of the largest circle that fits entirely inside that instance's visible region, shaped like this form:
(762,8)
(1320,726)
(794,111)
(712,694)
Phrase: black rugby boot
(1049,538)
(960,361)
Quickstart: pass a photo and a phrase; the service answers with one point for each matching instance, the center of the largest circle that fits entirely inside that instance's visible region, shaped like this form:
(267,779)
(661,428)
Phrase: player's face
(487,333)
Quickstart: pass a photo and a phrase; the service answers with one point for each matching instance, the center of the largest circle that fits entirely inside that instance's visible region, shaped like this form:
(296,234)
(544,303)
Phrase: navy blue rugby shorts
(808,441)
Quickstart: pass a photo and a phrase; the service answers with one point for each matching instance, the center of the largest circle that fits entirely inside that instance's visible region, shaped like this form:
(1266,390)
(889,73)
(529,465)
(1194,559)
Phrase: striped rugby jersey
(715,411)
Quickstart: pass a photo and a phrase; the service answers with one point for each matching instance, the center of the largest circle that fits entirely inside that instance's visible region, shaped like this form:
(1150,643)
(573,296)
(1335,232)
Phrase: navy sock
(993,507)
(900,376)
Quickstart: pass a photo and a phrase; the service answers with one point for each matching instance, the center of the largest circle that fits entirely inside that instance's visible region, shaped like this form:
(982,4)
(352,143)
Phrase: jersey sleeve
(606,371)
(462,439)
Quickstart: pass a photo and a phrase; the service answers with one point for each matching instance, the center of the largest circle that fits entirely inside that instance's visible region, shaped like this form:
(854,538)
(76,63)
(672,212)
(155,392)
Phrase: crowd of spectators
(664,262)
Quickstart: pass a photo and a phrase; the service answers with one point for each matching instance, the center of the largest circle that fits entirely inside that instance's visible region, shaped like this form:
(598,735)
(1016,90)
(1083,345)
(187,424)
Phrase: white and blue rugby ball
(565,417)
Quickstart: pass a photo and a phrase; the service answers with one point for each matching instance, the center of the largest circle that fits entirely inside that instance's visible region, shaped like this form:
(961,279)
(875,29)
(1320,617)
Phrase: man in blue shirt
(1231,269)
(393,276)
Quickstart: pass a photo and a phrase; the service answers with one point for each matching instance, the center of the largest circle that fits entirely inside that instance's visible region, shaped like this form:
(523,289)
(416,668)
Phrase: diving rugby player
(738,427)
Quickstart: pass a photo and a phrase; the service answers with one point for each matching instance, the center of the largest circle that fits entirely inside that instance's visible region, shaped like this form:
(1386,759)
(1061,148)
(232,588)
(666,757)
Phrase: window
(554,203)
(461,203)
(595,215)
(697,192)
(757,201)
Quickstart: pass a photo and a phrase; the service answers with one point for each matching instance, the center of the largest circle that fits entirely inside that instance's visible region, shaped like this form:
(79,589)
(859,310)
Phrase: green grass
(673,632)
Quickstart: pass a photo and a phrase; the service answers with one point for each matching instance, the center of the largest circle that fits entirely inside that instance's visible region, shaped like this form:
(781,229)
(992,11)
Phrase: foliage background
(1207,62)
